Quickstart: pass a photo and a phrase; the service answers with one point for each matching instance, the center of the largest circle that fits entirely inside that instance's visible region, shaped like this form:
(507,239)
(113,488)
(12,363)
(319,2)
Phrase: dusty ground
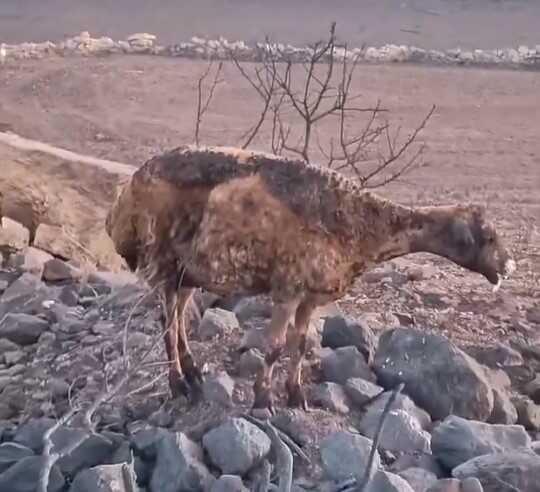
(482,145)
(484,24)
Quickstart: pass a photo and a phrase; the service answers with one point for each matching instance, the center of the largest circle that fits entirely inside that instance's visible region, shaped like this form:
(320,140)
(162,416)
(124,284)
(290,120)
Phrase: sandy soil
(426,23)
(482,145)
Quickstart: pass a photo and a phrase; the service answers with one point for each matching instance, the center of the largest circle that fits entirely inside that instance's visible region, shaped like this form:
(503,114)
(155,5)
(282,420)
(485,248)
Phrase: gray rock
(339,331)
(59,387)
(418,478)
(499,355)
(504,411)
(528,413)
(180,466)
(471,484)
(219,388)
(446,485)
(4,381)
(24,475)
(250,363)
(69,295)
(456,440)
(401,402)
(361,391)
(388,482)
(93,450)
(519,469)
(13,357)
(11,452)
(105,478)
(25,295)
(418,460)
(532,389)
(451,383)
(253,307)
(533,315)
(254,338)
(236,446)
(30,434)
(56,270)
(401,432)
(31,260)
(345,455)
(113,279)
(6,411)
(7,346)
(23,329)
(330,396)
(345,363)
(228,483)
(145,442)
(217,322)
(294,423)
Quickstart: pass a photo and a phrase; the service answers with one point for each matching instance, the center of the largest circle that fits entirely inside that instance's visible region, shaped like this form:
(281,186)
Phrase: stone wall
(144,43)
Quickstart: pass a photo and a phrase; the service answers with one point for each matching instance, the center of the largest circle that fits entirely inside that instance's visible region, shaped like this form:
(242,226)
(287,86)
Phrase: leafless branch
(377,436)
(287,439)
(324,90)
(204,103)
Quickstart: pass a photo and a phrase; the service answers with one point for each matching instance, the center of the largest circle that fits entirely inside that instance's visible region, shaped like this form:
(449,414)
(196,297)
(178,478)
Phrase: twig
(377,436)
(202,106)
(141,299)
(287,439)
(284,459)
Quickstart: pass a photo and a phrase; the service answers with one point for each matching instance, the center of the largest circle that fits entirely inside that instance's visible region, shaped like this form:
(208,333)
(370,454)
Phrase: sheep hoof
(297,399)
(178,385)
(263,403)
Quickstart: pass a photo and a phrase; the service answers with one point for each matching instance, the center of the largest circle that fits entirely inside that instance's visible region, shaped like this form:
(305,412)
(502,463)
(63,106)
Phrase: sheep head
(465,236)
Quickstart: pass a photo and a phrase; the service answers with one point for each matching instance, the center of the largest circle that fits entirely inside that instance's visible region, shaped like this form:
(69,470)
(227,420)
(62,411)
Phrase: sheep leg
(275,339)
(192,373)
(169,320)
(298,341)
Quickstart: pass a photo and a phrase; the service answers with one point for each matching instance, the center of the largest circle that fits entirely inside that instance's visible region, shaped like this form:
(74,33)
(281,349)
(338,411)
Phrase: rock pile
(68,337)
(222,49)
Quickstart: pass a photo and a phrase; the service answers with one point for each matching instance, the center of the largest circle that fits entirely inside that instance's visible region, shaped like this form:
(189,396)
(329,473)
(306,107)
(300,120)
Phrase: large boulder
(11,452)
(388,482)
(340,331)
(217,322)
(179,465)
(105,478)
(344,363)
(438,376)
(22,329)
(456,440)
(25,295)
(93,450)
(503,472)
(345,455)
(30,434)
(418,478)
(24,475)
(401,432)
(236,446)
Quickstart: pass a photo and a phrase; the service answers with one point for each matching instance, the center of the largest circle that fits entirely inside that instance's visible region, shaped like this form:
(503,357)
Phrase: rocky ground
(69,339)
(74,341)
